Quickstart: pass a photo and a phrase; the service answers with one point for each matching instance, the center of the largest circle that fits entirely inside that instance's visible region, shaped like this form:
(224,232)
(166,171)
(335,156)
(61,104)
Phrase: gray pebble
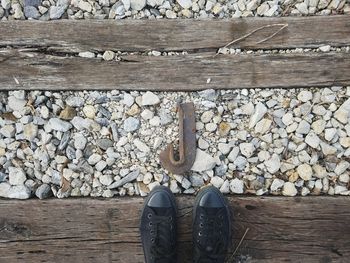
(75,101)
(64,141)
(59,125)
(131,124)
(43,191)
(104,144)
(31,12)
(128,178)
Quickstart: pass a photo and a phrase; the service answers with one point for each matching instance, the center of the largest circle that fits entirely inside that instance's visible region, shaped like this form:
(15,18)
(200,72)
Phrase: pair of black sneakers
(211,227)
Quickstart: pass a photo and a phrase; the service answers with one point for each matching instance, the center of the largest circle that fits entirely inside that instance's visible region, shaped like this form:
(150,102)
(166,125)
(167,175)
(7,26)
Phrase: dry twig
(239,244)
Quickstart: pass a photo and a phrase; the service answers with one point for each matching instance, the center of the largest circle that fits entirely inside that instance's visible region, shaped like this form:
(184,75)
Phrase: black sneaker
(211,226)
(158,226)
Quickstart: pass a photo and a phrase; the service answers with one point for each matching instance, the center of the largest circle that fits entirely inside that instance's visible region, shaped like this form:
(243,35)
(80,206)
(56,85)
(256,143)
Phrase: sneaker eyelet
(150,224)
(149,216)
(170,218)
(152,232)
(221,217)
(200,233)
(200,225)
(152,240)
(201,216)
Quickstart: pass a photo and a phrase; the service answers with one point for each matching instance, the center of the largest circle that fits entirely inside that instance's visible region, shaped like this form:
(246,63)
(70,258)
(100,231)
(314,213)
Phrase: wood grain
(310,229)
(37,71)
(179,35)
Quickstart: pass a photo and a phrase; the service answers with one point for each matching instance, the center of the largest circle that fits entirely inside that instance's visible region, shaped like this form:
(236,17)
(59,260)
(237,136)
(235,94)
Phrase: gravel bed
(110,55)
(280,142)
(152,9)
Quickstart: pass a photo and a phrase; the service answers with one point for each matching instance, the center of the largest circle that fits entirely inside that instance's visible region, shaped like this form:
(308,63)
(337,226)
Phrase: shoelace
(162,248)
(214,240)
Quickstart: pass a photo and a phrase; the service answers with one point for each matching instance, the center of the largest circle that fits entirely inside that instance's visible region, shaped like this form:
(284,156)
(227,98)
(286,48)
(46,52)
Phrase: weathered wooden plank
(168,35)
(311,229)
(37,71)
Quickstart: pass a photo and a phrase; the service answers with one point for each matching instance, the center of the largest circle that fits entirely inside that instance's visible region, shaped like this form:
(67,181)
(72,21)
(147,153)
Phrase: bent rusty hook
(187,142)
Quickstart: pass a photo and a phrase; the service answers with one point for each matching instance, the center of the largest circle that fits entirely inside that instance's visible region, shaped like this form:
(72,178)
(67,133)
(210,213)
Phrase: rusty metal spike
(187,142)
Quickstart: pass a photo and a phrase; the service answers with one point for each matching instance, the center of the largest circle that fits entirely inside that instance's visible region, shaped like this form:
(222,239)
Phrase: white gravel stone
(325,48)
(174,187)
(16,104)
(30,131)
(327,149)
(210,127)
(149,98)
(344,178)
(207,116)
(56,12)
(129,100)
(319,126)
(101,165)
(237,186)
(217,181)
(131,124)
(8,131)
(343,113)
(108,55)
(4,189)
(263,126)
(203,162)
(276,184)
(86,54)
(224,148)
(155,121)
(273,164)
(312,140)
(302,8)
(289,189)
(339,189)
(85,6)
(260,111)
(170,14)
(141,146)
(106,179)
(16,176)
(59,125)
(19,192)
(94,159)
(305,96)
(305,171)
(203,144)
(330,133)
(89,111)
(137,4)
(147,114)
(225,188)
(185,3)
(303,127)
(233,154)
(341,167)
(319,171)
(6,4)
(247,149)
(80,141)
